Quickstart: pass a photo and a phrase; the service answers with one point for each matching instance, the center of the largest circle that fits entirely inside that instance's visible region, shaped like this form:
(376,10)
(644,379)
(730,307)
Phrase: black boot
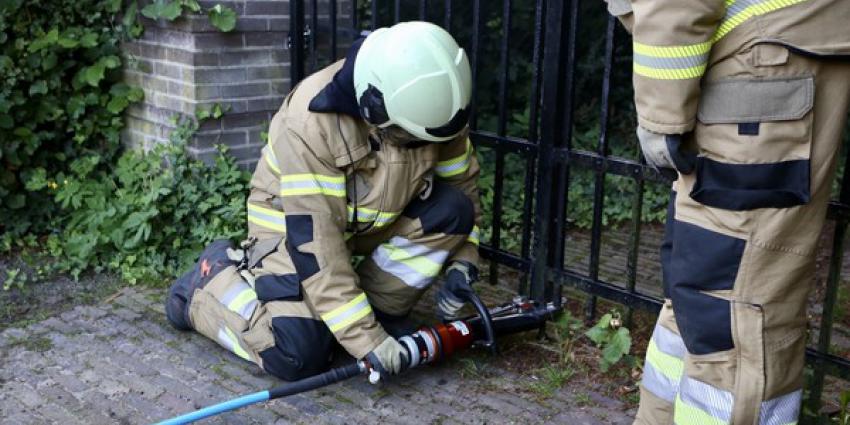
(213,260)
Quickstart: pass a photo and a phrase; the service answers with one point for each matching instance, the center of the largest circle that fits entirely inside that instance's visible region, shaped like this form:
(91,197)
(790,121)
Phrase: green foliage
(221,17)
(844,413)
(147,215)
(61,97)
(612,337)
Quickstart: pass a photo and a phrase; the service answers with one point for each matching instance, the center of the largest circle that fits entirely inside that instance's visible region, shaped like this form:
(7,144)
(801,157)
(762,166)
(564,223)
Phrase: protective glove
(388,358)
(666,151)
(458,282)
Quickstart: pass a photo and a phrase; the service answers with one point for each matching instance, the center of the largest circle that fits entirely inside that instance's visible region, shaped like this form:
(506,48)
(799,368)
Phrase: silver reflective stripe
(350,311)
(713,401)
(416,265)
(655,382)
(228,339)
(256,213)
(668,342)
(241,299)
(311,184)
(268,153)
(671,63)
(448,169)
(782,410)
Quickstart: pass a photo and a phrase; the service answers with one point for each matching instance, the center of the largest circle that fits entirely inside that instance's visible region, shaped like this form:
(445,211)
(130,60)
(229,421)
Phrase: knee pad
(303,348)
(447,210)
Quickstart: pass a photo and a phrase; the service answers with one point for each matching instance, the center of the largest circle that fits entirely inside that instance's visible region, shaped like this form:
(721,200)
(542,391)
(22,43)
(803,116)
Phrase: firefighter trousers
(739,248)
(260,313)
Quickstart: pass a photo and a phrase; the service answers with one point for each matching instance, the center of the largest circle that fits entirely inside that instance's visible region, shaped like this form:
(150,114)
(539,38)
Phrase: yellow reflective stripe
(420,263)
(672,367)
(670,74)
(685,414)
(242,300)
(474,236)
(342,309)
(347,314)
(237,349)
(266,217)
(351,319)
(268,153)
(672,51)
(368,215)
(761,8)
(312,184)
(456,165)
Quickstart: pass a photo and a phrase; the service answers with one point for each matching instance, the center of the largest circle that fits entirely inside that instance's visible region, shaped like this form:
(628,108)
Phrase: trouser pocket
(754,137)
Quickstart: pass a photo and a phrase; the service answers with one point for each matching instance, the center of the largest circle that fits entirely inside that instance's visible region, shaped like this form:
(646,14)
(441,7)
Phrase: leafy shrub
(148,215)
(61,97)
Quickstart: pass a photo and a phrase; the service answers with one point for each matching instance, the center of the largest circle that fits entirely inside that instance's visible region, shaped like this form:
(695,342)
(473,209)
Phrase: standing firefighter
(747,100)
(369,156)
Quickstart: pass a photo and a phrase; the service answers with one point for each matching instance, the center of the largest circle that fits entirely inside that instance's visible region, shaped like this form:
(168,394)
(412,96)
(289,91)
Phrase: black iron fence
(538,150)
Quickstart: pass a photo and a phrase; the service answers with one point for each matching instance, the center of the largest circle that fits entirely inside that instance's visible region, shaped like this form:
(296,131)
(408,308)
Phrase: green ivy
(147,215)
(61,98)
(221,17)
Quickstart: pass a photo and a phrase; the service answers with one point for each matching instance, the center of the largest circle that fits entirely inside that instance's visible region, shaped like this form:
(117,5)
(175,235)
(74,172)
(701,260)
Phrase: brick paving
(120,362)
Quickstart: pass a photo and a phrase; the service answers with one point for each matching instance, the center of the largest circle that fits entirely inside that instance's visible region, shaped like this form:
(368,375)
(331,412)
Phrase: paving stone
(122,363)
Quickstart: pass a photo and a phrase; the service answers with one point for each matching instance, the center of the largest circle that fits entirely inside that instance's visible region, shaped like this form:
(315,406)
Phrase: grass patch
(38,344)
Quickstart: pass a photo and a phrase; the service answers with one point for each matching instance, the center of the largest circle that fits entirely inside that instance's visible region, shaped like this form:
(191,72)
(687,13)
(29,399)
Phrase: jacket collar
(339,96)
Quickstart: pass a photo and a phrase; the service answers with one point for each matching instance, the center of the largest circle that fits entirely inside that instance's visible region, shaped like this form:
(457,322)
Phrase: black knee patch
(702,260)
(299,231)
(303,347)
(448,210)
(285,287)
(211,261)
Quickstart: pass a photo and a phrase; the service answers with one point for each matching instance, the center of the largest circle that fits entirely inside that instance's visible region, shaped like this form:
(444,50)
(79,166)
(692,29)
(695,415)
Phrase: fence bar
(423,10)
(499,178)
(447,15)
(533,135)
(332,12)
(314,28)
(554,71)
(599,175)
(561,192)
(296,41)
(476,44)
(374,22)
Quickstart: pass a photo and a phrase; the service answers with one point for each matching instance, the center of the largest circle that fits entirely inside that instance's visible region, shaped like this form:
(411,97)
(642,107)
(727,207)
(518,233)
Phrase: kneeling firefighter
(368,157)
(747,100)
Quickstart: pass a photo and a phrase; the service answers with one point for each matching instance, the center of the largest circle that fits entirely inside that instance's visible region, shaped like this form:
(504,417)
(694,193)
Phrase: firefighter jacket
(675,41)
(327,178)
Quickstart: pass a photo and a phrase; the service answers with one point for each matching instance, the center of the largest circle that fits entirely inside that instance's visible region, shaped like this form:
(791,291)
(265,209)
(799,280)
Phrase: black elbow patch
(299,231)
(448,210)
(272,287)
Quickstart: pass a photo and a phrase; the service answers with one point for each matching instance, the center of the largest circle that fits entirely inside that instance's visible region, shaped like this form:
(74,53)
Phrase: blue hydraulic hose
(296,387)
(218,408)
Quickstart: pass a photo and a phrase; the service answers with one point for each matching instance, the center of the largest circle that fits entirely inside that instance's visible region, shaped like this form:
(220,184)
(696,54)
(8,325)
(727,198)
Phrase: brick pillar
(188,64)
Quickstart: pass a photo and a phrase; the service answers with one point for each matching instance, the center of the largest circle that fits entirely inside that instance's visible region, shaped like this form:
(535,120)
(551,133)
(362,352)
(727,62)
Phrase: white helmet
(415,76)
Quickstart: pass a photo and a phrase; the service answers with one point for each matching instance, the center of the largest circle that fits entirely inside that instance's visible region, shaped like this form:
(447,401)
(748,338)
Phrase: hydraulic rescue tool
(429,344)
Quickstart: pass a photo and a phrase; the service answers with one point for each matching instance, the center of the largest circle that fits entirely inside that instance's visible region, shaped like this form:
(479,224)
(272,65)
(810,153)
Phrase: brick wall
(188,64)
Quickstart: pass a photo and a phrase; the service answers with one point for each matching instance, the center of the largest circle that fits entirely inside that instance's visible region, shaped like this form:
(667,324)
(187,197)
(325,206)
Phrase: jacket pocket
(754,137)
